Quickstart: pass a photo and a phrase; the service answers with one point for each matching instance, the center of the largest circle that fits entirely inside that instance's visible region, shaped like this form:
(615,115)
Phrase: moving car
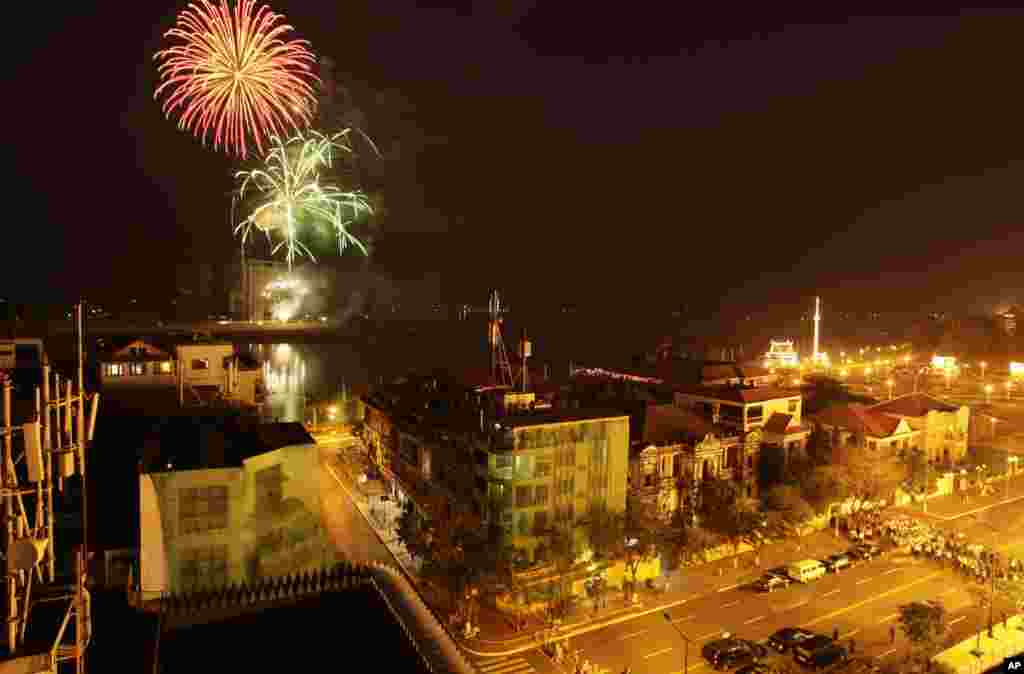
(827,657)
(788,637)
(730,652)
(835,562)
(771,582)
(806,651)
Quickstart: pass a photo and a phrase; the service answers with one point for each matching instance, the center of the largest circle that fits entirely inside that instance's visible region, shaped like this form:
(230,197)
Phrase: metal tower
(501,368)
(817,327)
(54,449)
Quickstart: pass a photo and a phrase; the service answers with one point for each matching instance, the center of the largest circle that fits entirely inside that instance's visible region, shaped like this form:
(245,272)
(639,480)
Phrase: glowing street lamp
(906,360)
(988,393)
(983,366)
(843,373)
(867,373)
(890,382)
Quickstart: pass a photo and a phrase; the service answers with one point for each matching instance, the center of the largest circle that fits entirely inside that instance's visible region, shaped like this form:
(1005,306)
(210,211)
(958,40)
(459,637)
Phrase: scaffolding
(53,448)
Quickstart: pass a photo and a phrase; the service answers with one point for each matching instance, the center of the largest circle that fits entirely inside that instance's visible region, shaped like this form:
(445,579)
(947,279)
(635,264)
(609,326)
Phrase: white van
(806,571)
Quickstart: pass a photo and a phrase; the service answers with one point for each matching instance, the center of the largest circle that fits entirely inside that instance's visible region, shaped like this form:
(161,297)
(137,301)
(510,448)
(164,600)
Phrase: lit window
(200,363)
(165,367)
(136,369)
(114,369)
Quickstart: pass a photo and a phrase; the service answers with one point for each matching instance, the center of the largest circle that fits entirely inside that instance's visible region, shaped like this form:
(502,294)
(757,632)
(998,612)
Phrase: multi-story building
(753,415)
(674,454)
(199,371)
(861,426)
(532,468)
(943,429)
(226,502)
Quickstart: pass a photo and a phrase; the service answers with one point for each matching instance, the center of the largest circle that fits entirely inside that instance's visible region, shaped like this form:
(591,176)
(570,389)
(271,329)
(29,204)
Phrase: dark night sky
(606,155)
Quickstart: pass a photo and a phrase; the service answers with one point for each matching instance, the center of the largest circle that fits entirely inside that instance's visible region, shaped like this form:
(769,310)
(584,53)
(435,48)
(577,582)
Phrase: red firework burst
(235,76)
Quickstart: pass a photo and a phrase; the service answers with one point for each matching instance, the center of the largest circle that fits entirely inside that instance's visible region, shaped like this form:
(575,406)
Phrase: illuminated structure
(1017,370)
(285,296)
(235,75)
(227,503)
(943,429)
(817,326)
(945,364)
(781,354)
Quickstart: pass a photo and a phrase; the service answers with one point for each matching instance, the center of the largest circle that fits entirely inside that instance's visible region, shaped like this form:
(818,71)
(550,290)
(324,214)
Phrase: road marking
(888,652)
(830,592)
(506,666)
(679,620)
(631,635)
(888,618)
(753,620)
(955,621)
(850,634)
(949,591)
(864,580)
(846,609)
(732,603)
(709,635)
(797,605)
(896,570)
(656,653)
(727,588)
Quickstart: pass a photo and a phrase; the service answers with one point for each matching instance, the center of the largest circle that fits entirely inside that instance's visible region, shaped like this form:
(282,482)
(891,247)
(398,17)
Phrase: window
(524,524)
(565,487)
(666,466)
(502,461)
(136,369)
(872,445)
(203,509)
(204,567)
(750,461)
(200,363)
(540,495)
(522,497)
(542,468)
(114,369)
(540,521)
(792,406)
(755,413)
(565,457)
(165,367)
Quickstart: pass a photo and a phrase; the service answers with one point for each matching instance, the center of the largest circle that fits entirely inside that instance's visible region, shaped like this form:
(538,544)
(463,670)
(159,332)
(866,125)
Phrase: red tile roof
(859,419)
(913,405)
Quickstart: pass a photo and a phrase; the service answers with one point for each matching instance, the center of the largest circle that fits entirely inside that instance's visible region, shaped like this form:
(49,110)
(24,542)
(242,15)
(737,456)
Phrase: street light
(686,641)
(983,366)
(867,373)
(988,394)
(890,382)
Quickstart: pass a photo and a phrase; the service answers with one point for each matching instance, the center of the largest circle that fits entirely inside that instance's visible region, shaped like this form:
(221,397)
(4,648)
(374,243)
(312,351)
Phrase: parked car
(826,657)
(729,653)
(770,583)
(756,668)
(806,570)
(788,637)
(865,551)
(805,651)
(836,562)
(779,572)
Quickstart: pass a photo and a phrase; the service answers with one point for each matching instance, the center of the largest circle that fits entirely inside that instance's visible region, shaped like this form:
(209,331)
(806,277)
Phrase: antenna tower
(501,368)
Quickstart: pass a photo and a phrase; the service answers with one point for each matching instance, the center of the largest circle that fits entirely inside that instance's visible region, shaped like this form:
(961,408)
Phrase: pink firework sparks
(234,76)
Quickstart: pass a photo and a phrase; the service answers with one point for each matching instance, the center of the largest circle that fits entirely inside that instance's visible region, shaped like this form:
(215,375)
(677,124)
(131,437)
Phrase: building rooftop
(777,423)
(737,394)
(859,419)
(201,441)
(559,416)
(665,424)
(913,405)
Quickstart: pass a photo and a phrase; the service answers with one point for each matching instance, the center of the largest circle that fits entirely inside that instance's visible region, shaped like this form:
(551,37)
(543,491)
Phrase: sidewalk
(953,506)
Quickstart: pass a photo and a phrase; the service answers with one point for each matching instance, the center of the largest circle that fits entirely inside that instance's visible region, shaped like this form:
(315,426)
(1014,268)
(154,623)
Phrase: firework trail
(292,197)
(235,76)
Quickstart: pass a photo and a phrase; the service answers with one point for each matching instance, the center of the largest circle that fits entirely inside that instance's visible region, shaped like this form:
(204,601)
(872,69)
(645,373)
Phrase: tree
(823,486)
(819,446)
(726,513)
(923,623)
(787,509)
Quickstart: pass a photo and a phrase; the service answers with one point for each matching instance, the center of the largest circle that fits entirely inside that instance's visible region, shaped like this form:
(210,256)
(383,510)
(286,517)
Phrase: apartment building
(223,501)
